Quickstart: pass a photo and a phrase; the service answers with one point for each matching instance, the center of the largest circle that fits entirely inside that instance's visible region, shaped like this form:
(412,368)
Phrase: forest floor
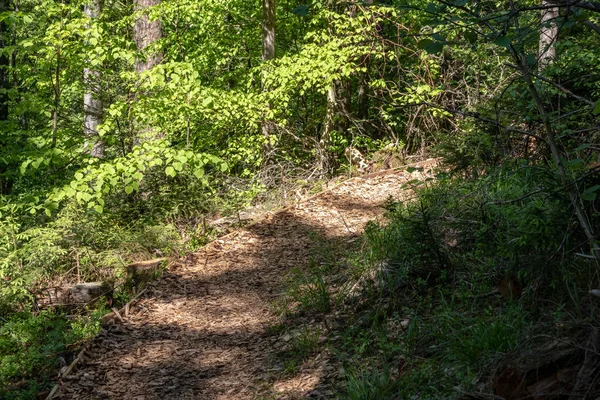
(209,328)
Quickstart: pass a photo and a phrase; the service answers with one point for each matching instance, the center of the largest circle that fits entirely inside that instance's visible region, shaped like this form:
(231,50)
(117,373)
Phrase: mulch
(199,331)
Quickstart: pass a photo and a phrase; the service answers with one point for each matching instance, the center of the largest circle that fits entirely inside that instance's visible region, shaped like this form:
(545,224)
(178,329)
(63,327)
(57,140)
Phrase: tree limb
(556,85)
(586,5)
(592,26)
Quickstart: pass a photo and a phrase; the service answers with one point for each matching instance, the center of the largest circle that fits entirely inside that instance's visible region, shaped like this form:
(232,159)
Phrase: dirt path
(199,332)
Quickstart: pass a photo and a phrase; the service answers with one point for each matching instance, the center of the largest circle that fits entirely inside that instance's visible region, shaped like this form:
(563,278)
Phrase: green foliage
(369,385)
(33,346)
(309,291)
(424,259)
(91,184)
(305,342)
(183,141)
(434,268)
(478,340)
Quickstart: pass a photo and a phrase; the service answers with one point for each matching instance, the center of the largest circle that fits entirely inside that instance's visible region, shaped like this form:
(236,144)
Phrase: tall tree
(268,30)
(268,53)
(4,81)
(92,104)
(328,128)
(548,35)
(146,32)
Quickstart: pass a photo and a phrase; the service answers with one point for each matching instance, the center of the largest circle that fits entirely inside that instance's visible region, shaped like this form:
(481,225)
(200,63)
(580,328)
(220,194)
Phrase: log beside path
(199,332)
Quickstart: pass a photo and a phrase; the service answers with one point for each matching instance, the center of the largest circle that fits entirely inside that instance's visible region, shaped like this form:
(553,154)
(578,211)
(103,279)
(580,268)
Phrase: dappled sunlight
(206,328)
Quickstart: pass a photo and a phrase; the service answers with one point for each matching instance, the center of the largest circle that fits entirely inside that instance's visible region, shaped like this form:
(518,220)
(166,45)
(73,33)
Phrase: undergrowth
(34,346)
(165,218)
(425,311)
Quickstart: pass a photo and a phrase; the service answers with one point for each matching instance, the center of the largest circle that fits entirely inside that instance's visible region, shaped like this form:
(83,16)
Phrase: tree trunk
(268,53)
(5,85)
(145,32)
(92,105)
(548,36)
(328,128)
(4,64)
(268,30)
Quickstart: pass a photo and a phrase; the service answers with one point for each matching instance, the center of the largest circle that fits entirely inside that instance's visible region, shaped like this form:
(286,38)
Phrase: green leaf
(590,193)
(596,109)
(460,3)
(99,209)
(503,41)
(410,170)
(170,171)
(178,166)
(128,189)
(224,167)
(198,173)
(438,37)
(208,102)
(576,162)
(431,46)
(301,10)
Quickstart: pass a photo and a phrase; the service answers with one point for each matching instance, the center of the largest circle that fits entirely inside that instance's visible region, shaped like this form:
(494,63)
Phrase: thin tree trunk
(329,127)
(548,36)
(4,83)
(56,103)
(145,33)
(4,64)
(92,105)
(268,53)
(268,30)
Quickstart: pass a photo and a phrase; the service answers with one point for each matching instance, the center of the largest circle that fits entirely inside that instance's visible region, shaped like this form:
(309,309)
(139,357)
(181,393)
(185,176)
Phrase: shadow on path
(202,330)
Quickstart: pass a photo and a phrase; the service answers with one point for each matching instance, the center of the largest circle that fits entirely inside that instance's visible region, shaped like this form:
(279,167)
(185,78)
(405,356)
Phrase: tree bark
(328,128)
(4,64)
(146,32)
(92,105)
(268,30)
(548,36)
(268,53)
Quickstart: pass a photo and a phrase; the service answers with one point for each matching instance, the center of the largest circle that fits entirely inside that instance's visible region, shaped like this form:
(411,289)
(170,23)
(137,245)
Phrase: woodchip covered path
(199,331)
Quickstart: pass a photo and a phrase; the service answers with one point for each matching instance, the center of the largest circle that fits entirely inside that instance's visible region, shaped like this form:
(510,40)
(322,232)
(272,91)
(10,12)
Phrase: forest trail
(200,332)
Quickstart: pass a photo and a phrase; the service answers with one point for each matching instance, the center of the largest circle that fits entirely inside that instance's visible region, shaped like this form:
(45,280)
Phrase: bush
(32,347)
(440,262)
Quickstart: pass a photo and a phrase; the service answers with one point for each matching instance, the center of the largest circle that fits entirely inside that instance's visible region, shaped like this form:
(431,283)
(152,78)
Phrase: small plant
(303,344)
(371,385)
(310,292)
(473,341)
(290,366)
(306,342)
(275,328)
